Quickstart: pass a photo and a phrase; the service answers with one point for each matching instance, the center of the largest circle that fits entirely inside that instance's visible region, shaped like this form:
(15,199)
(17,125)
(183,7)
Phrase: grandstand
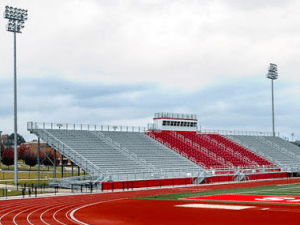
(172,147)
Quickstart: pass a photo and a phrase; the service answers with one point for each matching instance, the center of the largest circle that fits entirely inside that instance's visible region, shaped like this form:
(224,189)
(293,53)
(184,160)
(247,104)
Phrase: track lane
(62,206)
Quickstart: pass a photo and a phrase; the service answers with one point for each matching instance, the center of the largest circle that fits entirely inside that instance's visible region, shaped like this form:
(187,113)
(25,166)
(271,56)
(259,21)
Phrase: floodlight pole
(273,75)
(15,111)
(273,119)
(16,18)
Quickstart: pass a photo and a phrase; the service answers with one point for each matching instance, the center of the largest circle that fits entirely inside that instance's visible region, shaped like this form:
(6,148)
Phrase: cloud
(117,61)
(243,105)
(187,45)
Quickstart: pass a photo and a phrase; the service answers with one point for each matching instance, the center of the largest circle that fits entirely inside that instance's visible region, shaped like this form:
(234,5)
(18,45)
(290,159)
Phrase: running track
(121,208)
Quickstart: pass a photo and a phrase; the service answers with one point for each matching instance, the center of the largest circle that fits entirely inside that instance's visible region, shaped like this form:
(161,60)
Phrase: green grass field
(25,172)
(9,192)
(287,189)
(28,182)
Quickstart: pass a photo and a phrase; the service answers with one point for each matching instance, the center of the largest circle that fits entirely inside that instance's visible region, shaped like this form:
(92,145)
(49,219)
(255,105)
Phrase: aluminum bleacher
(281,143)
(122,154)
(187,148)
(241,150)
(161,157)
(211,150)
(119,156)
(99,152)
(270,148)
(221,150)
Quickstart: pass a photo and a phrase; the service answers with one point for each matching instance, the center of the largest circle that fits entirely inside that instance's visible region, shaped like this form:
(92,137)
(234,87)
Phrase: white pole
(15,111)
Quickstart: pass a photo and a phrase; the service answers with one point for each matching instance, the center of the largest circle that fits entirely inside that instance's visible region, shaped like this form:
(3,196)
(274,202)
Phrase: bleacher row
(94,146)
(177,151)
(210,150)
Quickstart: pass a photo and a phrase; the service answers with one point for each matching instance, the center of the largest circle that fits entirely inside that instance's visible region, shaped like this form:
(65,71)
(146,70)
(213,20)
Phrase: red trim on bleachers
(128,185)
(261,176)
(210,150)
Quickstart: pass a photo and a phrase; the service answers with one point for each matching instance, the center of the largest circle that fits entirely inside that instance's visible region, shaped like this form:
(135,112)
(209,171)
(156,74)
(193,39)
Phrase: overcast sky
(119,62)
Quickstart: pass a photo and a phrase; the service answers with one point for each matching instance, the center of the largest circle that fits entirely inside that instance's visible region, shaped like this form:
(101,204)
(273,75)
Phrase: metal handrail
(93,168)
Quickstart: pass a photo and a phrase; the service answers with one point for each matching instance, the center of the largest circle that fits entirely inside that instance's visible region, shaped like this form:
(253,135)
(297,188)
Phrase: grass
(16,193)
(23,167)
(8,175)
(25,172)
(288,190)
(27,182)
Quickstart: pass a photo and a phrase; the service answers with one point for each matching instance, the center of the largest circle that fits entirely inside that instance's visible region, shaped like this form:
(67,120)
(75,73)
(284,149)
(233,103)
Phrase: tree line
(26,154)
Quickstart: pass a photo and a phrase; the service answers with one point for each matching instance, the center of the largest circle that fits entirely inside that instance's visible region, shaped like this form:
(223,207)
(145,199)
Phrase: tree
(7,157)
(48,160)
(1,149)
(30,158)
(11,139)
(21,150)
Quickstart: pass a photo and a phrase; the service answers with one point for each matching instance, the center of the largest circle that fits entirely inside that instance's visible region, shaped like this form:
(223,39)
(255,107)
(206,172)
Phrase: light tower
(16,19)
(273,75)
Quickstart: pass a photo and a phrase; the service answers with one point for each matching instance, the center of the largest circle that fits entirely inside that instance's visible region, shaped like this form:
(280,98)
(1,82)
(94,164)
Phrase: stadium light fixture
(16,19)
(273,75)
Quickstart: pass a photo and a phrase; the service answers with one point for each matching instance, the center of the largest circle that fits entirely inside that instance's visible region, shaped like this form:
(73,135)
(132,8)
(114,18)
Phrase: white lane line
(69,205)
(71,215)
(15,209)
(54,215)
(216,206)
(40,208)
(26,209)
(56,206)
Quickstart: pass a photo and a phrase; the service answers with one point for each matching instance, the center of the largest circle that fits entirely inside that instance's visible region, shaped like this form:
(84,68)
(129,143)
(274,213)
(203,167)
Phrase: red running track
(120,208)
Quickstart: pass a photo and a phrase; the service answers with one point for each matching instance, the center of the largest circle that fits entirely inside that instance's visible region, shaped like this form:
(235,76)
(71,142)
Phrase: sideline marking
(215,206)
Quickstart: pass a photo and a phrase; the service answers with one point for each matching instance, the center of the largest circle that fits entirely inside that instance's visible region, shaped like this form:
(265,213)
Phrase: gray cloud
(256,4)
(239,105)
(121,61)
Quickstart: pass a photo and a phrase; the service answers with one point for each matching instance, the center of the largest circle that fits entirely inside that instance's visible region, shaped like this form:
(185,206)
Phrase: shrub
(8,156)
(30,158)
